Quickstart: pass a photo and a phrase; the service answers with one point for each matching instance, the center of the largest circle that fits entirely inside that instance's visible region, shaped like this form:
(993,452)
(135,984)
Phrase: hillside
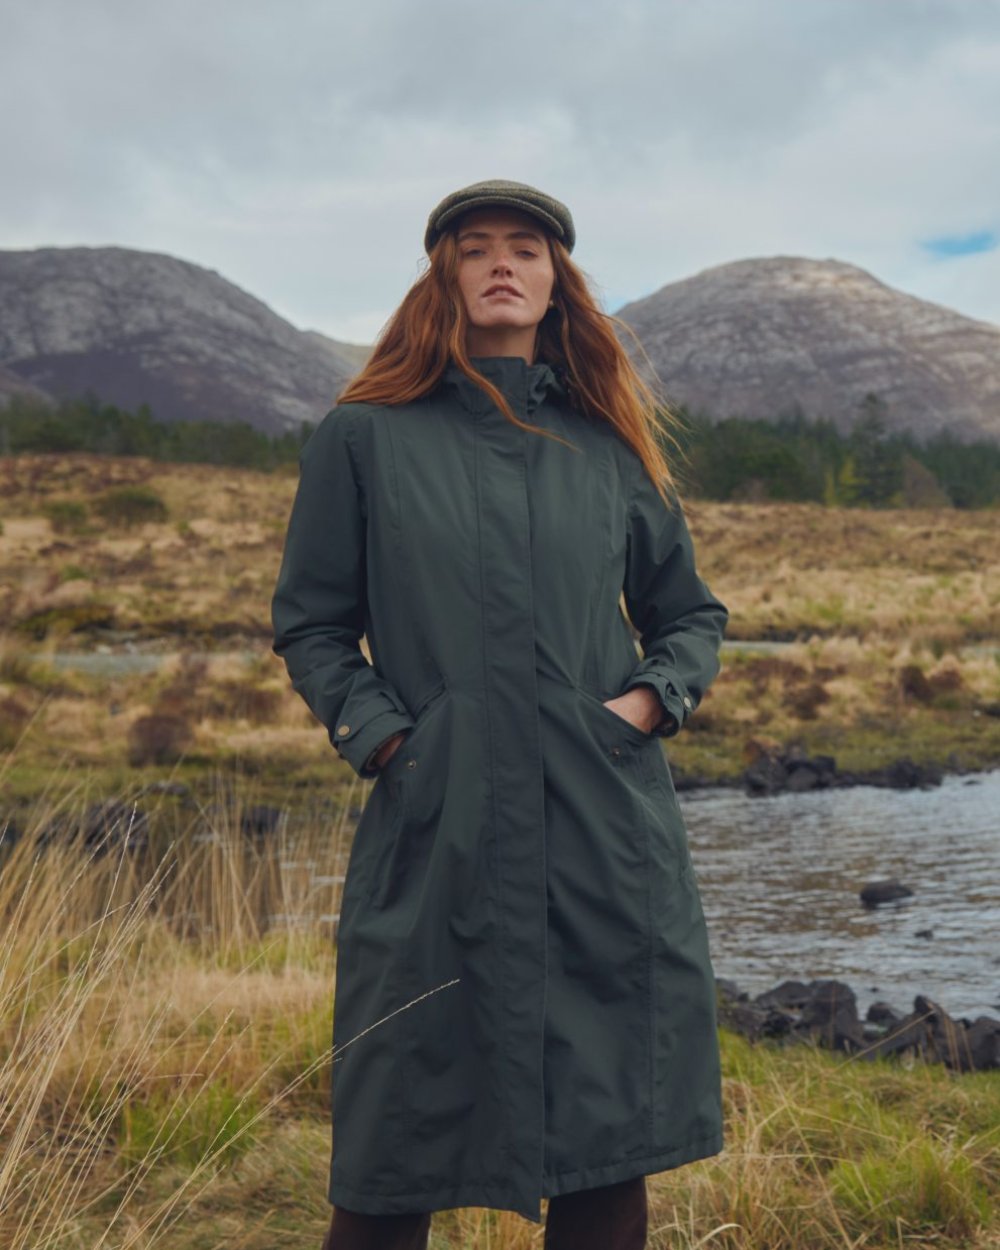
(759,337)
(139,327)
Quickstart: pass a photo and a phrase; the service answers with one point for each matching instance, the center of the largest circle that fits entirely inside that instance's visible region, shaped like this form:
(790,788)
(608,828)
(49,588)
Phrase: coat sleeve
(319,604)
(680,622)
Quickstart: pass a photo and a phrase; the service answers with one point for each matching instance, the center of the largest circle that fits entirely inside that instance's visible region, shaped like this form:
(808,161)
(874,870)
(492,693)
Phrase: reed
(165,1024)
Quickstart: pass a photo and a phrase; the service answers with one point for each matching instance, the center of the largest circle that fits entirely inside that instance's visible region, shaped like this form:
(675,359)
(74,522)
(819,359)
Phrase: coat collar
(524,386)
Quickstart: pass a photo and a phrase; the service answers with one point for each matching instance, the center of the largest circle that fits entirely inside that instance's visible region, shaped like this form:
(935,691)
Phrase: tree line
(786,458)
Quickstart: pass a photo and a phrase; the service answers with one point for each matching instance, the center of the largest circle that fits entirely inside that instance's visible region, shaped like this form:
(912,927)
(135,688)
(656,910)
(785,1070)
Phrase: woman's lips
(502,291)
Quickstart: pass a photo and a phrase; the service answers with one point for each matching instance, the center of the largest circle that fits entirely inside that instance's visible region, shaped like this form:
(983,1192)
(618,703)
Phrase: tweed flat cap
(498,193)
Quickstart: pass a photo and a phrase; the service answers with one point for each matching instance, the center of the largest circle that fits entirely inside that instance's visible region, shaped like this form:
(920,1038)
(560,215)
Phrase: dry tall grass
(165,1017)
(155,1010)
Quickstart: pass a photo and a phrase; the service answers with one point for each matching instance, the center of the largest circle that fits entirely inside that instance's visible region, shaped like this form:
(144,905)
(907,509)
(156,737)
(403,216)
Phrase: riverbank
(196,1112)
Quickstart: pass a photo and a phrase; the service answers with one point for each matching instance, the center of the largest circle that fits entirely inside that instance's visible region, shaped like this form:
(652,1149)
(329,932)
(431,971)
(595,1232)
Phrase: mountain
(751,338)
(139,327)
(758,337)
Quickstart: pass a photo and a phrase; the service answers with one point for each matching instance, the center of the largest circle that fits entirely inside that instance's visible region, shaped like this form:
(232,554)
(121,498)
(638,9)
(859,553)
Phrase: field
(891,621)
(167,995)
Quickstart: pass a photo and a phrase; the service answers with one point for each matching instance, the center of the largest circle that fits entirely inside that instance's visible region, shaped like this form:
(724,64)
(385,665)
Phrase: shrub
(158,739)
(66,516)
(914,685)
(804,701)
(130,505)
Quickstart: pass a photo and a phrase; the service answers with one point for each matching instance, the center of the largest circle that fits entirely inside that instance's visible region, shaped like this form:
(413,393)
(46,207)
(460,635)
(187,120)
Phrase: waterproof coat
(520,874)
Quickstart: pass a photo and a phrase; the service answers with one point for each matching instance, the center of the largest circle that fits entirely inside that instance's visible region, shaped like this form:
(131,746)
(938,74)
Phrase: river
(780,880)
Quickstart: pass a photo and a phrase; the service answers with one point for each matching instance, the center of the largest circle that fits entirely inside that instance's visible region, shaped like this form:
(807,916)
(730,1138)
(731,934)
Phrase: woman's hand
(388,748)
(640,706)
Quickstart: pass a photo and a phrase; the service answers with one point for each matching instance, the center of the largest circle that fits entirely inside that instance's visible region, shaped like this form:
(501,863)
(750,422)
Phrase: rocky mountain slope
(751,338)
(139,327)
(758,337)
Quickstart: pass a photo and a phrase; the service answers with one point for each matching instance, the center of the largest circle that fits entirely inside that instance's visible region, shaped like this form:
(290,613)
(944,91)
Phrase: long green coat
(523,847)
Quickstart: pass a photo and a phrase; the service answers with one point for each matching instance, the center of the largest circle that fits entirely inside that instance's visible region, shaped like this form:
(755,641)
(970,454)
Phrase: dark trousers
(612,1217)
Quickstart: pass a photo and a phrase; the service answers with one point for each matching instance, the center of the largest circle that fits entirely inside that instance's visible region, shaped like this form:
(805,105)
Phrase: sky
(297,147)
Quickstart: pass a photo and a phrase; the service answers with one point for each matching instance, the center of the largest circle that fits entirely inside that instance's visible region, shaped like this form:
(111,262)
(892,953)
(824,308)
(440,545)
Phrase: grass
(865,595)
(164,1077)
(865,703)
(200,559)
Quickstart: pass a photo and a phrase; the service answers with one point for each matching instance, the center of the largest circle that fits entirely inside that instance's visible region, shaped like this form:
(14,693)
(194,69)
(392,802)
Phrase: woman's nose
(502,263)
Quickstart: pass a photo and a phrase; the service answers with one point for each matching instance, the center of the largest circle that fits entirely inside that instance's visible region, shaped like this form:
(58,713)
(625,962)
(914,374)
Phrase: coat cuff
(356,740)
(672,694)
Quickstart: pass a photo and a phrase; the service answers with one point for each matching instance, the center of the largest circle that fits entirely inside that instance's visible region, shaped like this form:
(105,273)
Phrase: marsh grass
(203,567)
(165,1025)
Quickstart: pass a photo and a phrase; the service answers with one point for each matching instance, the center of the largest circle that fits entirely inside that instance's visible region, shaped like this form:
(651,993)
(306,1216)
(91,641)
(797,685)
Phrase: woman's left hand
(640,706)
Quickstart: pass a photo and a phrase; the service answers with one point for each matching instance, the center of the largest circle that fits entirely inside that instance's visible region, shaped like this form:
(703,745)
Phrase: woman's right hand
(388,748)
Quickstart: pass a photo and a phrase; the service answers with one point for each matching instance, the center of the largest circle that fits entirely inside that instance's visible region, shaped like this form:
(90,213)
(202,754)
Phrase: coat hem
(497,1196)
(611,1173)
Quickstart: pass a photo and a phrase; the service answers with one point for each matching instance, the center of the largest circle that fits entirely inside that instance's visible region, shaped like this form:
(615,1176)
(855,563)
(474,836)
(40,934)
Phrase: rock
(773,770)
(754,1021)
(932,1034)
(831,1016)
(876,892)
(104,827)
(982,1038)
(788,994)
(883,1014)
(767,775)
(826,1011)
(924,933)
(904,774)
(261,820)
(800,779)
(725,988)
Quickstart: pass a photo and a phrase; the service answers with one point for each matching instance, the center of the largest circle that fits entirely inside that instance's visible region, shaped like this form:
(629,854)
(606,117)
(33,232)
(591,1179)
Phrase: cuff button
(687,702)
(343,729)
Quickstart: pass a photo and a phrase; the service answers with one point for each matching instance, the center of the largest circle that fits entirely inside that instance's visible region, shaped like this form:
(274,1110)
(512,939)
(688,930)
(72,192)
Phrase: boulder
(876,892)
(982,1038)
(932,1034)
(789,994)
(260,820)
(106,826)
(831,1016)
(883,1014)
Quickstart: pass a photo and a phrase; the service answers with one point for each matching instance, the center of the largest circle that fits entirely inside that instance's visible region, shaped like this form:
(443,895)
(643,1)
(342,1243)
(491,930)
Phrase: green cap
(498,193)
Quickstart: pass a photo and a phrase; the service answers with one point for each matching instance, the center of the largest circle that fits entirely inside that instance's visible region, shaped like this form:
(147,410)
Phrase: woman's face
(505,270)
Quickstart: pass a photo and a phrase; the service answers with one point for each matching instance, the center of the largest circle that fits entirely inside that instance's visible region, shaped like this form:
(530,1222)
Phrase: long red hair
(427,332)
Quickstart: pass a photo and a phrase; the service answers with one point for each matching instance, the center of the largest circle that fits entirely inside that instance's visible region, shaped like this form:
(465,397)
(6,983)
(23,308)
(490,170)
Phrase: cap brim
(494,200)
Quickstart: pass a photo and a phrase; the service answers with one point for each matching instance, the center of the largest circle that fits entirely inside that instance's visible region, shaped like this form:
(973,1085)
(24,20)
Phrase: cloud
(298,148)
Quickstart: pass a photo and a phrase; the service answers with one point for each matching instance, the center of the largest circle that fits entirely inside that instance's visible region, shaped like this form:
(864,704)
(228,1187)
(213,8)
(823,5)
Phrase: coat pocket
(647,790)
(617,725)
(409,766)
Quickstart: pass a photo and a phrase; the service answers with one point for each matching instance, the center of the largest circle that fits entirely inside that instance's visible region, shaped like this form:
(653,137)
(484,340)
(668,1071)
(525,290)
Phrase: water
(780,880)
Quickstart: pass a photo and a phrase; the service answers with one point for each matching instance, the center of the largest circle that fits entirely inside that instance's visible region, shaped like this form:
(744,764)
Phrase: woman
(521,933)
